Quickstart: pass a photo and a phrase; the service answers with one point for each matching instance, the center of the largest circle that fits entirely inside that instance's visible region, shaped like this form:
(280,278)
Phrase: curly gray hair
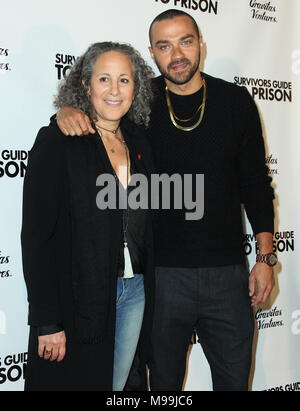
(72,90)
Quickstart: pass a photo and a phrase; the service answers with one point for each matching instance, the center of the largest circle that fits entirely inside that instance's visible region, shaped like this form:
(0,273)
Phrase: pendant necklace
(110,131)
(128,271)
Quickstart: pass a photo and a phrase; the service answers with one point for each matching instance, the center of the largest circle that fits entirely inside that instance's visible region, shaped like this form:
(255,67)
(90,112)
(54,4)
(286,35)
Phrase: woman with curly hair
(88,267)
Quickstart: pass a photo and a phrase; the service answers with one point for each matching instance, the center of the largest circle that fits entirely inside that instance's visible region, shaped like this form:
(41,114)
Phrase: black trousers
(213,301)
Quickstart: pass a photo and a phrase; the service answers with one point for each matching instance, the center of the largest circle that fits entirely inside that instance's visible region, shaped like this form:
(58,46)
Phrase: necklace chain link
(173,116)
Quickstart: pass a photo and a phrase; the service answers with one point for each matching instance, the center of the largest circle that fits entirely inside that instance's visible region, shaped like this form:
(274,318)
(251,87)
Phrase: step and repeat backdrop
(252,43)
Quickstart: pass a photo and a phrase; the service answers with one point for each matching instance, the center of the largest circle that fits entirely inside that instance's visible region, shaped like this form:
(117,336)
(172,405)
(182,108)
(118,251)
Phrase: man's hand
(52,347)
(261,283)
(73,121)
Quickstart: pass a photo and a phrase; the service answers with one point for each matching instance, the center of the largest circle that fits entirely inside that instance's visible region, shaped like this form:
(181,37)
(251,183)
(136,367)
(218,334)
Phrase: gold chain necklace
(173,116)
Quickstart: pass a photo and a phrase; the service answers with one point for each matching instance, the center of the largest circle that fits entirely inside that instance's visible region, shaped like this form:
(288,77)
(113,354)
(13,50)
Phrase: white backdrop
(250,42)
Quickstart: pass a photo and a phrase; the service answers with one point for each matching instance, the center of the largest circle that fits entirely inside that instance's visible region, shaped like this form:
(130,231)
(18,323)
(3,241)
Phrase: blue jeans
(129,317)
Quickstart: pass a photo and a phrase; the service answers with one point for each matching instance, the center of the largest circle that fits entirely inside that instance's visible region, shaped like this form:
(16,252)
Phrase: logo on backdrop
(4,65)
(4,271)
(263,11)
(283,241)
(269,318)
(293,386)
(204,6)
(63,63)
(13,367)
(266,89)
(295,328)
(13,163)
(272,164)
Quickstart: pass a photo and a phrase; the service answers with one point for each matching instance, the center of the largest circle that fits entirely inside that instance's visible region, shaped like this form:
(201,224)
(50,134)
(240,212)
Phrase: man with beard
(203,125)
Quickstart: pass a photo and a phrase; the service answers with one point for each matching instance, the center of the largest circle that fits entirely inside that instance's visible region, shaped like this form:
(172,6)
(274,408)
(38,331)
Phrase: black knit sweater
(228,148)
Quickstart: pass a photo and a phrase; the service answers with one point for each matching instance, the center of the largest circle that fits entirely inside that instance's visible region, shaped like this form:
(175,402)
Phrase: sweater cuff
(49,329)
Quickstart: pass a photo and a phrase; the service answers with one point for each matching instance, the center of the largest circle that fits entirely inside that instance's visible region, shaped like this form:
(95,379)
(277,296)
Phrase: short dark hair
(170,14)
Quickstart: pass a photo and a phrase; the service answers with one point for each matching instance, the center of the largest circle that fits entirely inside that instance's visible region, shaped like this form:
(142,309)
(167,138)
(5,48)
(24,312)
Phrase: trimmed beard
(187,76)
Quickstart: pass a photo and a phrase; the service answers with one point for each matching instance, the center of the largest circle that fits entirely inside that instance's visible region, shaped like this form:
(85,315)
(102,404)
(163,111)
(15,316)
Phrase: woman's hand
(52,347)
